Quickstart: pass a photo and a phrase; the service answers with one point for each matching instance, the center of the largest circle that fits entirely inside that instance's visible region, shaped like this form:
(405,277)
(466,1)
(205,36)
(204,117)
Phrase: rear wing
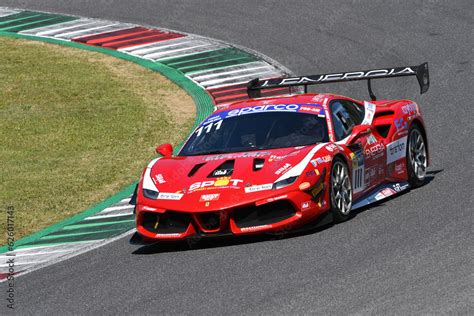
(255,86)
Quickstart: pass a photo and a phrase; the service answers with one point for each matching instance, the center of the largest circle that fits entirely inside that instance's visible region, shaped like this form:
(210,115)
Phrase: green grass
(76,127)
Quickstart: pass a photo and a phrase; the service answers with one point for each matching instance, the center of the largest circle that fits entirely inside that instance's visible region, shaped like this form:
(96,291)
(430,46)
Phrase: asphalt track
(411,254)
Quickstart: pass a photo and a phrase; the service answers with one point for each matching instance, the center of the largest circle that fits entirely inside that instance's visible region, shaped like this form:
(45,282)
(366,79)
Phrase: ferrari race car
(273,165)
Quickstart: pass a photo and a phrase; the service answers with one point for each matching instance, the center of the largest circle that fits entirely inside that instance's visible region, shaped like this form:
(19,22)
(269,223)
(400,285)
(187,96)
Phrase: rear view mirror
(357,132)
(166,150)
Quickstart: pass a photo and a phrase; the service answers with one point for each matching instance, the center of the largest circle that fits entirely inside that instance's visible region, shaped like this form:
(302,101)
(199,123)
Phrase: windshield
(228,132)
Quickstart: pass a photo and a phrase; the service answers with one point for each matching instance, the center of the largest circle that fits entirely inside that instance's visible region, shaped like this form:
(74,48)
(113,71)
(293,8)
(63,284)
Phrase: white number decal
(208,127)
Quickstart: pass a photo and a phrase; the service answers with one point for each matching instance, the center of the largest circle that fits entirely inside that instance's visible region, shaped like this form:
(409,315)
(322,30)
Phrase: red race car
(272,165)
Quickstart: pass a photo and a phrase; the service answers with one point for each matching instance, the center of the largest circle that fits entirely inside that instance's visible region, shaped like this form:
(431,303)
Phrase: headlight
(283,183)
(150,194)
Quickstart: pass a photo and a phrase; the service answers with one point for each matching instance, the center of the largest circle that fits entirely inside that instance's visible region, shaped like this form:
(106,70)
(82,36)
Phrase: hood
(213,182)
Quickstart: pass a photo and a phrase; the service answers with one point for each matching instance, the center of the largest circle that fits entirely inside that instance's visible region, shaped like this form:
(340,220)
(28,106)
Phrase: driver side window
(345,115)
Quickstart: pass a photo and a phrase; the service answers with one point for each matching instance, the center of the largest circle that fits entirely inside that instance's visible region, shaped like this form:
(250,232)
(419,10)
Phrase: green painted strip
(107,219)
(129,224)
(205,57)
(39,245)
(204,107)
(36,24)
(78,234)
(217,64)
(17,18)
(80,238)
(195,57)
(17,27)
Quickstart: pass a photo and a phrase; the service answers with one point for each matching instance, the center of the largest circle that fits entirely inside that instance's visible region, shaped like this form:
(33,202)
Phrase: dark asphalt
(412,254)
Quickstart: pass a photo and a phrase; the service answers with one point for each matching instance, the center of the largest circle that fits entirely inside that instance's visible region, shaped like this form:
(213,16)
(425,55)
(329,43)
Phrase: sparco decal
(264,108)
(396,150)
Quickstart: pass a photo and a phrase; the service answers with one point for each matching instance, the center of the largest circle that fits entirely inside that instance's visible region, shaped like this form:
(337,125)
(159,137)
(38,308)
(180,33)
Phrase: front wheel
(416,157)
(341,190)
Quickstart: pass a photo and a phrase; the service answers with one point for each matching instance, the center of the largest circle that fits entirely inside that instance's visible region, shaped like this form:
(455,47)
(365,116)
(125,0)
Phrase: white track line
(7,12)
(51,30)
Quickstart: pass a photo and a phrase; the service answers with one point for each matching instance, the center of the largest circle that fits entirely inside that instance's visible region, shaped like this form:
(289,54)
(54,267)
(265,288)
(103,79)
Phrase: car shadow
(320,224)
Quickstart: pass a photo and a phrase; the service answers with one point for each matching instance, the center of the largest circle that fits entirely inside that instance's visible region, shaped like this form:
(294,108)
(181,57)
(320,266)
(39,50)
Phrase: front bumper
(273,215)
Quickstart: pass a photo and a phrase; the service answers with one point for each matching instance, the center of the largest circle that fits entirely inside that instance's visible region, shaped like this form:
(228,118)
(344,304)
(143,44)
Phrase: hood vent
(195,169)
(258,164)
(224,170)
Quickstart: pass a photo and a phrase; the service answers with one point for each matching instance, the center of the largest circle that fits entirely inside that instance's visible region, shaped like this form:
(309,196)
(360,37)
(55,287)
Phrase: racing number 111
(208,127)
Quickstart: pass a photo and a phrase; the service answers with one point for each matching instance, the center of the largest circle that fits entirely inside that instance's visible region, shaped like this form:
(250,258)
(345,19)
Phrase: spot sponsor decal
(396,150)
(169,196)
(219,183)
(369,113)
(257,188)
(209,197)
(320,160)
(283,169)
(159,178)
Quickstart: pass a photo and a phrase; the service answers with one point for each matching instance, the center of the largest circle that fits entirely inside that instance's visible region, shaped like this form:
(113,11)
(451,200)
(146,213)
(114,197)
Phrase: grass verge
(77,126)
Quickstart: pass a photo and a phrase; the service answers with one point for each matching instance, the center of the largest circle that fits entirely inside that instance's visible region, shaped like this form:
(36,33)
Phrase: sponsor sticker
(261,187)
(209,197)
(159,178)
(376,151)
(369,113)
(410,109)
(283,169)
(396,150)
(400,124)
(169,196)
(331,147)
(320,160)
(384,193)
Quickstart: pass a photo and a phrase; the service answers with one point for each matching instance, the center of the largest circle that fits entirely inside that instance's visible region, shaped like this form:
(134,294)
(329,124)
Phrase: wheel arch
(416,122)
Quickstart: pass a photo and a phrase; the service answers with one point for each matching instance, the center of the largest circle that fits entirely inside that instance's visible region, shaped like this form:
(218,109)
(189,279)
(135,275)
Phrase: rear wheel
(416,157)
(341,190)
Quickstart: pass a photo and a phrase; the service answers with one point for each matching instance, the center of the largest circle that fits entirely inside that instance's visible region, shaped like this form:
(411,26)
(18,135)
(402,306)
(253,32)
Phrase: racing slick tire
(340,190)
(416,157)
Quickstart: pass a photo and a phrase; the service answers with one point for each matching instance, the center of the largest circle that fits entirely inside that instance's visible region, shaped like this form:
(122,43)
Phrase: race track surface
(411,254)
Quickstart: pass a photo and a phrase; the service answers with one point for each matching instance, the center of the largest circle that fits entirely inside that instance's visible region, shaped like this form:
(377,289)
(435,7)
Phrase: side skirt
(381,192)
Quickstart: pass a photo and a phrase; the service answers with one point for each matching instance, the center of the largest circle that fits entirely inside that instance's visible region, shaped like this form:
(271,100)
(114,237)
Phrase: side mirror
(357,132)
(166,150)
